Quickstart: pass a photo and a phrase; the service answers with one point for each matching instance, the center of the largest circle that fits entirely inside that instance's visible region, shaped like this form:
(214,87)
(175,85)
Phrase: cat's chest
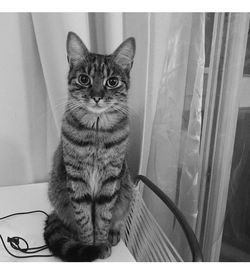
(92,154)
(93,181)
(87,165)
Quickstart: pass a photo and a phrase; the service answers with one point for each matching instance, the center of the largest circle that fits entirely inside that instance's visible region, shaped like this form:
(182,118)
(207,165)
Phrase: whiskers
(120,108)
(124,109)
(61,105)
(71,107)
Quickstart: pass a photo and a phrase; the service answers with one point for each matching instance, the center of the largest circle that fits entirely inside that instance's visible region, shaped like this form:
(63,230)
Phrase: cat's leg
(58,193)
(104,207)
(121,208)
(81,202)
(103,216)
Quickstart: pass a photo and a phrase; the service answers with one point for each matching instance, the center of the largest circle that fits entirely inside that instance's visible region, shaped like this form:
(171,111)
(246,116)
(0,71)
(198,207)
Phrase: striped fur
(90,187)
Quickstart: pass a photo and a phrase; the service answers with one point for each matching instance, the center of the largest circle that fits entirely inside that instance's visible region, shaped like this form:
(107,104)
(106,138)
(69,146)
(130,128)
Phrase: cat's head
(99,83)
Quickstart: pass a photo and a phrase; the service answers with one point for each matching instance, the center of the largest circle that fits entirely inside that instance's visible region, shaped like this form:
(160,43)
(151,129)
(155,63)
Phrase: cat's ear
(124,54)
(76,50)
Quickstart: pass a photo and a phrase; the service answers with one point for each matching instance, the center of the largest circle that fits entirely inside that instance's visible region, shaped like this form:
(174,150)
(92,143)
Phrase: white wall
(22,103)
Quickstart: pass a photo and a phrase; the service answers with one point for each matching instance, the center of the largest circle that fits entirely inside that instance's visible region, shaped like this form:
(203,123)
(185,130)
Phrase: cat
(90,187)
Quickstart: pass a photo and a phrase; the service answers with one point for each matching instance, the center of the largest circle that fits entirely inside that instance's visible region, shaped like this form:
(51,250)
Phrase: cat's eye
(112,82)
(84,80)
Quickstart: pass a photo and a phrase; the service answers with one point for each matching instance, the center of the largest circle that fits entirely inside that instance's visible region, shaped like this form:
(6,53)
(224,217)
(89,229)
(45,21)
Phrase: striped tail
(61,243)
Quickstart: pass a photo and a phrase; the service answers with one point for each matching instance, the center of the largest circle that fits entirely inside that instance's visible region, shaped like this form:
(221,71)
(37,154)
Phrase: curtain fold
(22,103)
(189,186)
(106,31)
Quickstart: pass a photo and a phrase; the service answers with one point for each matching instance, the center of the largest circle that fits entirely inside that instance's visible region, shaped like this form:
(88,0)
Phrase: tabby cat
(90,187)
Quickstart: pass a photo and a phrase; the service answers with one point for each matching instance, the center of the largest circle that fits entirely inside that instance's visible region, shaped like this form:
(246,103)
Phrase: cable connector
(13,240)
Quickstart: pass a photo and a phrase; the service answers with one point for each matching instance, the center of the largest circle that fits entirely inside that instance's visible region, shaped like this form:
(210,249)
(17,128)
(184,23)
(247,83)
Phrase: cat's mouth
(97,109)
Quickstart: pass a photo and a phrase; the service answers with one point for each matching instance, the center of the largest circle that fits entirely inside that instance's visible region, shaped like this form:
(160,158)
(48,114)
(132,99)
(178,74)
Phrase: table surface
(29,197)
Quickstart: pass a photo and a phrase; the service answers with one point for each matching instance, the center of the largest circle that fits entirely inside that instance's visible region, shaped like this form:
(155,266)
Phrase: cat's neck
(95,122)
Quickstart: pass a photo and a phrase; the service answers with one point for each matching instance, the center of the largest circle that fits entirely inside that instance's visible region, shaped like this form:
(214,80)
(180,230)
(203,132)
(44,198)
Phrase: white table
(30,227)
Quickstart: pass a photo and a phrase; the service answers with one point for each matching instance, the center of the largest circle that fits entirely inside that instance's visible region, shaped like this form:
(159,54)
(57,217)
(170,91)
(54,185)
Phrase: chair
(144,237)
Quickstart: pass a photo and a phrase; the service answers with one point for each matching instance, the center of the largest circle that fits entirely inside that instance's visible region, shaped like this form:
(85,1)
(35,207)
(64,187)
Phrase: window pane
(247,56)
(209,25)
(236,234)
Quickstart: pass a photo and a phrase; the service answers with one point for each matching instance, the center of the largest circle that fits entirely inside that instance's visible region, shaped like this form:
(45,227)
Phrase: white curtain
(165,96)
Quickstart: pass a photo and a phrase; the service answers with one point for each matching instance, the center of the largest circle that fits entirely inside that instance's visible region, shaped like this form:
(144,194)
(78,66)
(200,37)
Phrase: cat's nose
(97,95)
(96,99)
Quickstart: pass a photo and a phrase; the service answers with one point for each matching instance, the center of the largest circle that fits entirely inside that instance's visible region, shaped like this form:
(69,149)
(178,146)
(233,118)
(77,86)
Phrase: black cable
(192,240)
(15,241)
(21,213)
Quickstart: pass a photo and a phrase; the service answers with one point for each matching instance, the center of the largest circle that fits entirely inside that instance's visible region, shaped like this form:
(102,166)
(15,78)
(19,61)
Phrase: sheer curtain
(173,153)
(165,96)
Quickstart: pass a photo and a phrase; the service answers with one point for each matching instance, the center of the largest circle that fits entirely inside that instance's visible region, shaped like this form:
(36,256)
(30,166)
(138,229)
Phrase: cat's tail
(61,243)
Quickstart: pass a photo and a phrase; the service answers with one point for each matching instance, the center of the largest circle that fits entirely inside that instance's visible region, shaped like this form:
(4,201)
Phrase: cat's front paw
(114,237)
(105,251)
